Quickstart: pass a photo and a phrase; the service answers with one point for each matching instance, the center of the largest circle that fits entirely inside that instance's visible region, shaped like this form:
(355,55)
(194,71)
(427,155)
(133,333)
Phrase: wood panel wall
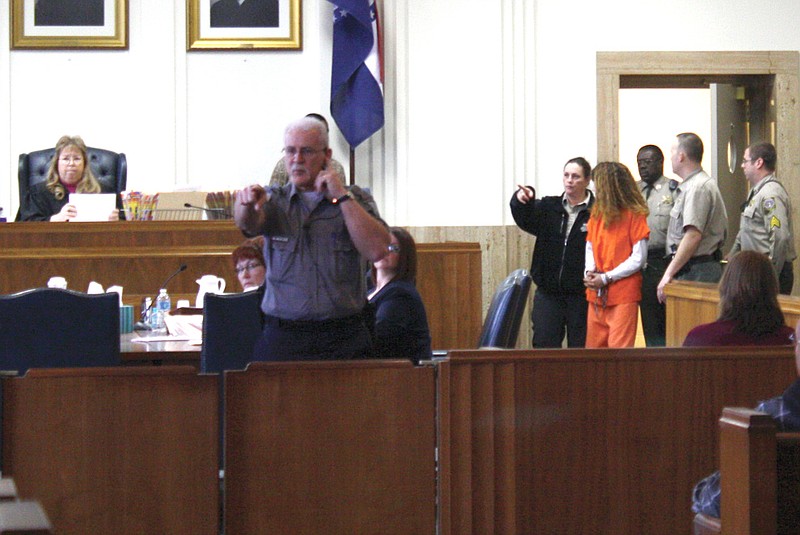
(503,249)
(589,441)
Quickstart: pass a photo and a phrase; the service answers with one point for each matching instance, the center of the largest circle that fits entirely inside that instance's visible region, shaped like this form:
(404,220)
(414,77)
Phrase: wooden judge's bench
(140,255)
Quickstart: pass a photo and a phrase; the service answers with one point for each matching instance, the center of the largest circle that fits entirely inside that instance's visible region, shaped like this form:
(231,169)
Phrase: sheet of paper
(93,206)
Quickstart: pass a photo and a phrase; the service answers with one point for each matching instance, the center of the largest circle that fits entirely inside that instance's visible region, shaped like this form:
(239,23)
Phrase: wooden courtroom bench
(115,450)
(588,441)
(760,477)
(527,441)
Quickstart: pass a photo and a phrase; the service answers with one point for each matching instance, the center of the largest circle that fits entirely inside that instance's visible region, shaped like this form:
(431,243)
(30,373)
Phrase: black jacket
(41,204)
(555,268)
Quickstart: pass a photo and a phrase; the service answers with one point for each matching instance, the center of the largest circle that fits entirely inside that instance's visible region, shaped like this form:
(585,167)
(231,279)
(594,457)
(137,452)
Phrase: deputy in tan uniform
(698,220)
(766,222)
(658,191)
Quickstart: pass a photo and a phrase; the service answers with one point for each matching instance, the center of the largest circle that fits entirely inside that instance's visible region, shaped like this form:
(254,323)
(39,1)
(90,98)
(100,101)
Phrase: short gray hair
(307,124)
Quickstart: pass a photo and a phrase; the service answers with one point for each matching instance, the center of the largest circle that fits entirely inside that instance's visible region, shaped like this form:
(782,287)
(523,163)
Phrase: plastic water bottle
(2,216)
(163,306)
(152,318)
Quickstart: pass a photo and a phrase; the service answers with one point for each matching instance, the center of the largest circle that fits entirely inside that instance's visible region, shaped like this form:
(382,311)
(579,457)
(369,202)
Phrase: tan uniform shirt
(766,223)
(698,203)
(659,202)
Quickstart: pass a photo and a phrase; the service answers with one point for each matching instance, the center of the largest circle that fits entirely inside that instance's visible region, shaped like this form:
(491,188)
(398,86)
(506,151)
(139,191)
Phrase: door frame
(679,69)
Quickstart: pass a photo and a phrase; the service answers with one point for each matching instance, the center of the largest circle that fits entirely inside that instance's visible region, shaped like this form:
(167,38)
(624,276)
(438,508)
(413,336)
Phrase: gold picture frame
(286,35)
(29,32)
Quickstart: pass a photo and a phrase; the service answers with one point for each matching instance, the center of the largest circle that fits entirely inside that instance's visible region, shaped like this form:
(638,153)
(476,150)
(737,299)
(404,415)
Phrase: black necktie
(648,189)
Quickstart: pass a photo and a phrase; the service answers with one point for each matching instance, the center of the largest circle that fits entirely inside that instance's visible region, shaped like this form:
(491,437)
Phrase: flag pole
(352,165)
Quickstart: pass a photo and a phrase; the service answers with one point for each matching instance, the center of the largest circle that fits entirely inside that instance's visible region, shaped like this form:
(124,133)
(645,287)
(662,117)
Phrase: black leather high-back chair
(55,328)
(501,327)
(110,169)
(231,325)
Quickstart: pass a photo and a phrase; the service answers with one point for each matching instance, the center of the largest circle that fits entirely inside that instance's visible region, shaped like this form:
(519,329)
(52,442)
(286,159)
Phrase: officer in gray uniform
(766,222)
(657,191)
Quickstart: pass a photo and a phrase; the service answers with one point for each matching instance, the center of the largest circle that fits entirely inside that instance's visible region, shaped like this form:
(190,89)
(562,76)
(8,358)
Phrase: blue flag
(356,80)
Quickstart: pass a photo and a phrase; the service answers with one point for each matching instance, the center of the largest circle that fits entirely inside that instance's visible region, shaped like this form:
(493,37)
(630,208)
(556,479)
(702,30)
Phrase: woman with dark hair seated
(401,324)
(749,313)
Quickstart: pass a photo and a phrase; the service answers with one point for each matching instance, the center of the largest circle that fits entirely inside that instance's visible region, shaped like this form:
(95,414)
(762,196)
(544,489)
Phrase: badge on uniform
(768,204)
(584,228)
(774,222)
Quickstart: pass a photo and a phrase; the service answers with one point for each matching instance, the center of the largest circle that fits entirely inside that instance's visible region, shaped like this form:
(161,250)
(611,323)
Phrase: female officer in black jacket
(559,224)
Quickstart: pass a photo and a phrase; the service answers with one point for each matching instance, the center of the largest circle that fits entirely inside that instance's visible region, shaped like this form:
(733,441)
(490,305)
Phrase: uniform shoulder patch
(774,222)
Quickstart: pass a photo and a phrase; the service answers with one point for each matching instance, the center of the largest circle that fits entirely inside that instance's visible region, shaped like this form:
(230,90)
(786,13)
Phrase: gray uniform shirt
(698,203)
(314,271)
(766,223)
(659,203)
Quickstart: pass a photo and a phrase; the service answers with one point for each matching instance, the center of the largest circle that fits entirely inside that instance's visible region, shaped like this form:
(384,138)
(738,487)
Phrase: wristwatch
(344,198)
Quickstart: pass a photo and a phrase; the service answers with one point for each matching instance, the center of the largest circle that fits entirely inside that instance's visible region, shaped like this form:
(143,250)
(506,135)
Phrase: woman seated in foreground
(248,263)
(69,172)
(749,313)
(401,324)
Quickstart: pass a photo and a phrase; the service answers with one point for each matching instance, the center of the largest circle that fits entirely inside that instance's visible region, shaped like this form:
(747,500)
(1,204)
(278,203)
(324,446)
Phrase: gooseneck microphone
(222,211)
(141,325)
(180,269)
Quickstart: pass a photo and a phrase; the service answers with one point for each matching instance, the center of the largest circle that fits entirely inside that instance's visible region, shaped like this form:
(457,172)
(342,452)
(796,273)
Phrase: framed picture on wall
(69,24)
(243,24)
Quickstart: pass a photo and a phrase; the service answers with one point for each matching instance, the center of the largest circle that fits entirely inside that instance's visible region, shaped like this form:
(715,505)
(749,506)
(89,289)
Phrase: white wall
(655,116)
(481,95)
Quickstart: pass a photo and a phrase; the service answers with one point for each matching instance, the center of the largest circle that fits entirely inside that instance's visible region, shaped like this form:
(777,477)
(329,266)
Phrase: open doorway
(757,92)
(727,115)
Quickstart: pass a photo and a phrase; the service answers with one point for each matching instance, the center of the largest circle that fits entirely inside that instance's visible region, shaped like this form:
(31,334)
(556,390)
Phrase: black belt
(336,323)
(716,256)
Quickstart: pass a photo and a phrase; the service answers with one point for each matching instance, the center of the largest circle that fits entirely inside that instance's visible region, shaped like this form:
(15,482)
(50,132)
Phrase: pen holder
(126,319)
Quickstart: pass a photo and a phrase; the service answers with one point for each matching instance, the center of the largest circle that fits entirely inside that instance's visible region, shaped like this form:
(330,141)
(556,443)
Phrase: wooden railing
(588,441)
(544,441)
(690,304)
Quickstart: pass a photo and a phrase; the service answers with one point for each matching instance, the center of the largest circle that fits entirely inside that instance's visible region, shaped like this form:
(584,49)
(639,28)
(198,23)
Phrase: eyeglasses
(393,248)
(751,160)
(247,267)
(305,152)
(76,159)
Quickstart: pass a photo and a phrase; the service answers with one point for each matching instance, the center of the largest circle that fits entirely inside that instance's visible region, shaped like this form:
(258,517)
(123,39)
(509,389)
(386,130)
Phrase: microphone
(141,325)
(222,211)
